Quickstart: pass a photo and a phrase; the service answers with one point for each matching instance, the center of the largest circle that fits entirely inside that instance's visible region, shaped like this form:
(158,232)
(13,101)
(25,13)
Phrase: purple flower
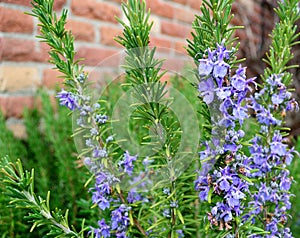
(99,199)
(134,197)
(276,146)
(127,163)
(285,182)
(99,153)
(205,67)
(67,99)
(103,230)
(264,193)
(174,204)
(224,185)
(220,70)
(292,105)
(277,98)
(206,89)
(101,119)
(94,132)
(202,185)
(120,218)
(121,234)
(224,92)
(166,213)
(180,233)
(81,78)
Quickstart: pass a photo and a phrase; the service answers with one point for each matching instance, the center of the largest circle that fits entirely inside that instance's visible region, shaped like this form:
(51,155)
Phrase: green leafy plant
(153,184)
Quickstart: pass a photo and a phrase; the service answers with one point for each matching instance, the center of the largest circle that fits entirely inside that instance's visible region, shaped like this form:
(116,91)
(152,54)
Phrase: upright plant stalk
(20,186)
(270,153)
(232,180)
(143,74)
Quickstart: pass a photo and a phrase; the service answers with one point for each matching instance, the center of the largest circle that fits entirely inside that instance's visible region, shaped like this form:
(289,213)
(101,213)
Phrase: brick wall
(24,66)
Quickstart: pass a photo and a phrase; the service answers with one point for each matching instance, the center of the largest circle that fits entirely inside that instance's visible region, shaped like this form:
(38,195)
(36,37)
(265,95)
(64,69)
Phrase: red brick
(51,78)
(13,106)
(96,10)
(1,48)
(18,78)
(241,34)
(181,1)
(175,29)
(185,15)
(98,56)
(162,44)
(180,47)
(20,50)
(58,4)
(107,35)
(160,8)
(41,55)
(15,21)
(17,49)
(173,64)
(82,31)
(19,2)
(195,4)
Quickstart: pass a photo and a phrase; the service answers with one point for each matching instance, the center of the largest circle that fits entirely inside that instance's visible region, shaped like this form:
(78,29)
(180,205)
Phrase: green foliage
(284,36)
(20,187)
(60,40)
(10,219)
(153,111)
(8,145)
(153,120)
(294,222)
(212,27)
(50,150)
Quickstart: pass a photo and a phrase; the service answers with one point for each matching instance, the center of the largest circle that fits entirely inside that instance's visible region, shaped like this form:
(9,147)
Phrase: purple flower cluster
(226,183)
(127,163)
(120,220)
(102,189)
(68,99)
(269,157)
(217,87)
(280,101)
(102,197)
(103,231)
(119,224)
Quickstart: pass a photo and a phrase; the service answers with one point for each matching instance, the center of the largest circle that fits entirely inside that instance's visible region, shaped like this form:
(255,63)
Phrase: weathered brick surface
(15,21)
(18,2)
(58,4)
(107,35)
(98,57)
(18,78)
(13,106)
(95,9)
(162,44)
(15,49)
(94,27)
(51,78)
(175,29)
(161,8)
(82,31)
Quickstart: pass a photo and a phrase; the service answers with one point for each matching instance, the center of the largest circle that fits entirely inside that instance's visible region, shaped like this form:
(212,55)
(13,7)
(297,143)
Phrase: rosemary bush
(191,169)
(47,130)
